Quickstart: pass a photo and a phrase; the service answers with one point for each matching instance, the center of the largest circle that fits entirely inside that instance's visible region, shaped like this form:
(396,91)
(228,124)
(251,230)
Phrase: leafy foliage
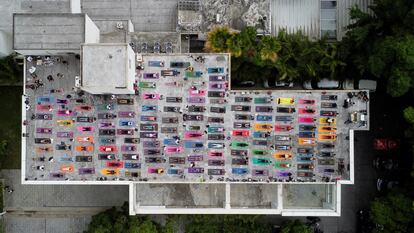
(285,57)
(395,212)
(382,45)
(118,221)
(409,115)
(295,226)
(225,223)
(10,71)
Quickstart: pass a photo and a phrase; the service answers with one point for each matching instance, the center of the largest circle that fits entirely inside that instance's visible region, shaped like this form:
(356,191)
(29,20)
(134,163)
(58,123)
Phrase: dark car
(125,101)
(176,160)
(326,154)
(239,152)
(264,109)
(215,119)
(171,109)
(285,110)
(85,119)
(215,162)
(178,64)
(107,132)
(329,97)
(194,108)
(106,116)
(385,163)
(107,140)
(187,117)
(216,136)
(168,129)
(83,158)
(130,157)
(305,166)
(148,127)
(152,151)
(44,116)
(241,125)
(148,135)
(174,99)
(63,146)
(328,105)
(241,108)
(242,99)
(240,161)
(43,140)
(106,157)
(306,134)
(307,127)
(151,144)
(86,170)
(155,160)
(125,131)
(302,150)
(216,94)
(216,172)
(244,117)
(218,109)
(329,113)
(170,120)
(131,140)
(260,142)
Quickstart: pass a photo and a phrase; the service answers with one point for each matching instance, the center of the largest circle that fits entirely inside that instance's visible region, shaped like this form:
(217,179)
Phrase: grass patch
(10,125)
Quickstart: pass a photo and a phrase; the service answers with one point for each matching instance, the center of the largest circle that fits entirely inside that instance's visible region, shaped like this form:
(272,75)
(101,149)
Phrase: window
(328,19)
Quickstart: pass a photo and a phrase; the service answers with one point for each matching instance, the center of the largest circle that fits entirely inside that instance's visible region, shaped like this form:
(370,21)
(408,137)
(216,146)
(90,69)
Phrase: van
(362,84)
(322,84)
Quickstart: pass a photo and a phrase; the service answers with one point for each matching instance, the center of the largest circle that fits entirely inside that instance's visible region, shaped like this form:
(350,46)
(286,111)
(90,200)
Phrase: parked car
(174,99)
(264,109)
(218,109)
(176,160)
(240,161)
(386,144)
(215,162)
(245,117)
(322,84)
(215,137)
(215,119)
(130,156)
(148,135)
(239,171)
(242,99)
(194,108)
(239,152)
(241,108)
(362,84)
(216,94)
(83,158)
(125,131)
(125,101)
(106,157)
(187,117)
(216,172)
(106,132)
(170,120)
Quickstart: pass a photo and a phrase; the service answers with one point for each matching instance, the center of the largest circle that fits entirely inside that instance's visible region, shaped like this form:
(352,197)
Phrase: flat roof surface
(140,140)
(104,65)
(48,31)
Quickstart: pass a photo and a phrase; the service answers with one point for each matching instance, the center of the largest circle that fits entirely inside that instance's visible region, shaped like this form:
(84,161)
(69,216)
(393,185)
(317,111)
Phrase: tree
(10,71)
(295,226)
(217,39)
(381,45)
(395,212)
(116,220)
(409,115)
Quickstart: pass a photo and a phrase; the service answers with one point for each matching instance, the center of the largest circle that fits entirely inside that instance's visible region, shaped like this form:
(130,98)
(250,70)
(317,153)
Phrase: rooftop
(108,68)
(54,31)
(188,106)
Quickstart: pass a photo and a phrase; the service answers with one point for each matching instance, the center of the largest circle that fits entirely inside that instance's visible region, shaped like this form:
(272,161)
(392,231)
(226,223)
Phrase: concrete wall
(6,44)
(295,15)
(91,31)
(75,6)
(130,68)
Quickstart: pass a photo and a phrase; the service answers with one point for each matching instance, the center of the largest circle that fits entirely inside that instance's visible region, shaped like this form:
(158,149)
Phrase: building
(107,69)
(110,135)
(315,18)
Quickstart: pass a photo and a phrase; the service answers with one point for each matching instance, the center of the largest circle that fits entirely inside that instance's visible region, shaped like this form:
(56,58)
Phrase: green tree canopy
(409,114)
(395,212)
(381,45)
(295,226)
